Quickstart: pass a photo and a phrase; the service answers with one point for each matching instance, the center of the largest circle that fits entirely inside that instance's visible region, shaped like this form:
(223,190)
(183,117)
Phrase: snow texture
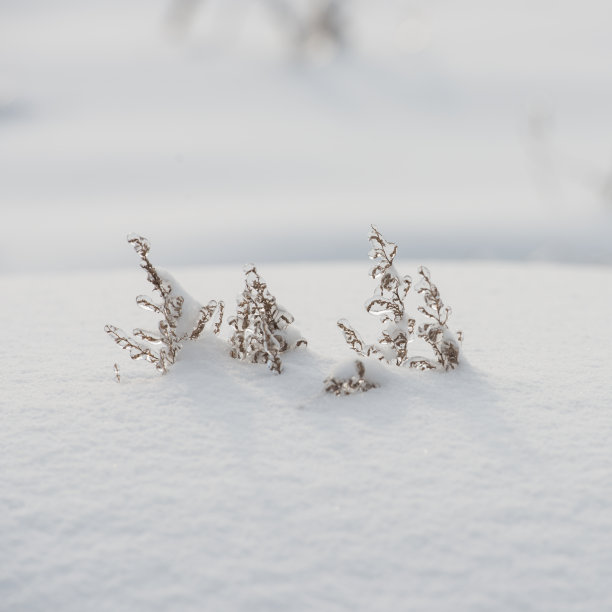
(473,129)
(221,486)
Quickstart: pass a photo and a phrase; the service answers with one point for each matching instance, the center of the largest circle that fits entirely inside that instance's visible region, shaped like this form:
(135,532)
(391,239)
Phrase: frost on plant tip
(261,326)
(161,347)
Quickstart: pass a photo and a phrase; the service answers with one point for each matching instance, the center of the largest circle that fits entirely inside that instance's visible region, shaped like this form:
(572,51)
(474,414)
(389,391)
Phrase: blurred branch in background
(309,28)
(181,15)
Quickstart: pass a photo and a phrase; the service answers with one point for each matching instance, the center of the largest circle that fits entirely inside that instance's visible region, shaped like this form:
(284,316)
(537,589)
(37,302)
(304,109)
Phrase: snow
(475,136)
(223,486)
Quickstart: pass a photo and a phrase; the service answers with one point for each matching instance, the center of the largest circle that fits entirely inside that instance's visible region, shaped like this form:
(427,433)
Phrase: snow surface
(463,130)
(222,486)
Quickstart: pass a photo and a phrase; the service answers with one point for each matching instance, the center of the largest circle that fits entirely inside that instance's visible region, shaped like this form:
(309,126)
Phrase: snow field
(222,486)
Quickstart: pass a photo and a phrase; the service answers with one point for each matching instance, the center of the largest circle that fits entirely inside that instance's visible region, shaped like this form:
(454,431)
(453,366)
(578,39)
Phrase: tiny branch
(347,386)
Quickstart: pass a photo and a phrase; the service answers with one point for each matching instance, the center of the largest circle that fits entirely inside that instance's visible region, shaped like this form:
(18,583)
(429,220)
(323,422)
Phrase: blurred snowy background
(273,130)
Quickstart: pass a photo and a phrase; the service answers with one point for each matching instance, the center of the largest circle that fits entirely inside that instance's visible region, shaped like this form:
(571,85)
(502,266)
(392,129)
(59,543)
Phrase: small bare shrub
(261,325)
(389,304)
(173,329)
(353,384)
(435,331)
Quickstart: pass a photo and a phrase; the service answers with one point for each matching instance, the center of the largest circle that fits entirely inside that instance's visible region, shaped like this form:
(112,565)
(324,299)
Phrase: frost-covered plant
(261,325)
(389,304)
(352,384)
(176,324)
(435,331)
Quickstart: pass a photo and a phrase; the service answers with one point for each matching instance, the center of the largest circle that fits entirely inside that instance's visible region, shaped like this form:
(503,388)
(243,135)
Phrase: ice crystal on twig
(261,325)
(173,329)
(353,384)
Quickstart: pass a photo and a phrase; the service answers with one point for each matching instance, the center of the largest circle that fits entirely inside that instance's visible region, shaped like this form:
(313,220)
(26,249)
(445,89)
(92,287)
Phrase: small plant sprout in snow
(182,318)
(389,305)
(435,331)
(351,384)
(261,325)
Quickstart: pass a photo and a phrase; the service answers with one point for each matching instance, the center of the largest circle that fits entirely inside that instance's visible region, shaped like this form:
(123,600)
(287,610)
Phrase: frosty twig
(350,385)
(389,304)
(168,336)
(260,325)
(435,331)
